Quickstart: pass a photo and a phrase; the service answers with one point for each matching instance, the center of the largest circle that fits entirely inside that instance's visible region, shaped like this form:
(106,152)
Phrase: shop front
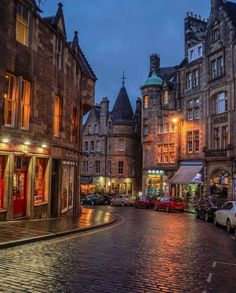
(117,186)
(86,185)
(188,183)
(156,183)
(220,183)
(2,171)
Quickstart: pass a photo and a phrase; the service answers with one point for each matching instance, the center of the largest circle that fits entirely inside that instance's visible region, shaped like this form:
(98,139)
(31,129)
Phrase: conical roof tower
(122,112)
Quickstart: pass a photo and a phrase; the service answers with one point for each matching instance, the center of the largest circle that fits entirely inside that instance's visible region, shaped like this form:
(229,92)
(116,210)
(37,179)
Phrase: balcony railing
(220,153)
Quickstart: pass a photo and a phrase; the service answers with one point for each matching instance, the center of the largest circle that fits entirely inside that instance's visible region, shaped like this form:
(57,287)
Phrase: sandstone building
(46,84)
(201,150)
(111,148)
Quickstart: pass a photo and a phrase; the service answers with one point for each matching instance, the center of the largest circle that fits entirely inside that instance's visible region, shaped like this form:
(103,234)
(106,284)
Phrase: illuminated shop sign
(155,172)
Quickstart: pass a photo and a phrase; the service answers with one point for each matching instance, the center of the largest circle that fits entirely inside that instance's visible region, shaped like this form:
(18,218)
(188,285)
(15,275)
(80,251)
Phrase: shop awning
(86,180)
(185,174)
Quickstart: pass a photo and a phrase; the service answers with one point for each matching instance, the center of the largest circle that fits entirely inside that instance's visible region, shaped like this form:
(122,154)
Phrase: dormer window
(195,52)
(22,24)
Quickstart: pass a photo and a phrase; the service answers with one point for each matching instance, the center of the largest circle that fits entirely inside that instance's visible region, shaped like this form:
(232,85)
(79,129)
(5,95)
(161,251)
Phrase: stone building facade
(111,148)
(46,84)
(204,109)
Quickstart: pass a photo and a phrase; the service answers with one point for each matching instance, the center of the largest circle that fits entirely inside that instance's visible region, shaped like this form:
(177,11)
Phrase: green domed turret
(153,80)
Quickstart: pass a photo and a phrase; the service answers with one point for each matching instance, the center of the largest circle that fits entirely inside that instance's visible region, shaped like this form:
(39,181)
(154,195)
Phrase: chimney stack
(154,64)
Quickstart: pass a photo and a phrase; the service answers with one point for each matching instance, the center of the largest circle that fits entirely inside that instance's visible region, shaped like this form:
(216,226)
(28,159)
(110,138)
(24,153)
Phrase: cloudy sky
(119,35)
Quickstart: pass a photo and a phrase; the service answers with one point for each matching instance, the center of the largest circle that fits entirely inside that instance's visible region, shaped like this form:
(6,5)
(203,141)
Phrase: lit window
(39,186)
(121,168)
(57,116)
(25,104)
(10,100)
(59,52)
(2,168)
(145,102)
(121,144)
(221,103)
(22,24)
(74,125)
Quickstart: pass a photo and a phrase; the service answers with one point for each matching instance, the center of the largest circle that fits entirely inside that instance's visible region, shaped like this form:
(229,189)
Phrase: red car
(145,201)
(170,204)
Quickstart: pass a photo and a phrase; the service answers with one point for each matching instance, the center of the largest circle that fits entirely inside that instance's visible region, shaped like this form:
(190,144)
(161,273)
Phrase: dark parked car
(170,204)
(93,199)
(145,201)
(207,207)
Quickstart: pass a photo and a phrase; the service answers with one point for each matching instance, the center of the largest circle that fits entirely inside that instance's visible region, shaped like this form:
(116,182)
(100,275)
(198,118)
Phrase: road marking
(214,264)
(209,279)
(225,263)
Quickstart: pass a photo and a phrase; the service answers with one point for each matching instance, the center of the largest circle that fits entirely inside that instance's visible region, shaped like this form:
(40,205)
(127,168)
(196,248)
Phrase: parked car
(206,208)
(93,199)
(145,201)
(170,204)
(122,200)
(226,215)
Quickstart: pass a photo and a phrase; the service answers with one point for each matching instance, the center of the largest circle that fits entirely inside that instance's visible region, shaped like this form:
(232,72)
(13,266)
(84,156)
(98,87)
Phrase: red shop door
(19,193)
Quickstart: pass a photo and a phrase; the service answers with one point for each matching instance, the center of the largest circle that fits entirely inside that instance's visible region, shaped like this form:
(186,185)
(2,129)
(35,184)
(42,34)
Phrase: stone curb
(19,242)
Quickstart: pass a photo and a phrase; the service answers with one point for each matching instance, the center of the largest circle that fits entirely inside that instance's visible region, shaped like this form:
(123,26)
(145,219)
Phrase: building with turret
(111,160)
(201,148)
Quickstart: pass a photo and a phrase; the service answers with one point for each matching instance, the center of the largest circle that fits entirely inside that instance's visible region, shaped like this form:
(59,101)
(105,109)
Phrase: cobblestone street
(147,252)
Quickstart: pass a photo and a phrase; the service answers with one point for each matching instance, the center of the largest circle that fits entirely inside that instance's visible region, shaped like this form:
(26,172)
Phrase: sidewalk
(21,232)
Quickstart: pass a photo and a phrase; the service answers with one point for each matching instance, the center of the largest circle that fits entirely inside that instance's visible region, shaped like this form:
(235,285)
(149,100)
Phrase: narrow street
(147,251)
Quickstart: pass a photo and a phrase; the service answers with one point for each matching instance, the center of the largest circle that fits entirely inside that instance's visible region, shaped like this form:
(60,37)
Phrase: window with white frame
(121,144)
(221,103)
(193,109)
(193,141)
(195,77)
(189,80)
(97,167)
(217,67)
(57,121)
(22,24)
(59,53)
(9,100)
(121,167)
(25,104)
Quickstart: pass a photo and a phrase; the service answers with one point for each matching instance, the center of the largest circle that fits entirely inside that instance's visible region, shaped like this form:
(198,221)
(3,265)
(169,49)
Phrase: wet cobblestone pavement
(148,252)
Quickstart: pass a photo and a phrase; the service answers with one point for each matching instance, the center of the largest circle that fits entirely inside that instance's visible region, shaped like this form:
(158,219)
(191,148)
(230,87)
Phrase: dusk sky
(118,35)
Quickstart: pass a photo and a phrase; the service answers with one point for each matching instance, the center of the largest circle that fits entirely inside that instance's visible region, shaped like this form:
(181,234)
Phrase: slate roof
(231,10)
(85,66)
(122,112)
(168,73)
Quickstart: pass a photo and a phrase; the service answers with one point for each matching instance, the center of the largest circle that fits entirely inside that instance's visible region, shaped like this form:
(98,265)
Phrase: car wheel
(228,226)
(206,217)
(167,209)
(215,221)
(155,208)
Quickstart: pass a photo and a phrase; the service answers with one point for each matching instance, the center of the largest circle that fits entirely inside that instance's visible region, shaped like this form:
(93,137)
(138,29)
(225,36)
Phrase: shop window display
(39,188)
